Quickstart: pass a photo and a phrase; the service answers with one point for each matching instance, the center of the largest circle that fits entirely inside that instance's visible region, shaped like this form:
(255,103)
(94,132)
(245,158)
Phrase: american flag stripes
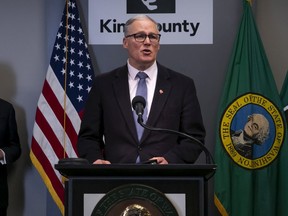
(58,116)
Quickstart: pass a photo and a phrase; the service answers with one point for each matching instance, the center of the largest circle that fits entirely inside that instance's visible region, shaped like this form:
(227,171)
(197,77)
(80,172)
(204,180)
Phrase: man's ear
(125,45)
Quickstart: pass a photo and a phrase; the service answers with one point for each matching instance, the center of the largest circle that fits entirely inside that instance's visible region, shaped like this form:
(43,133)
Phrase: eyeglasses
(140,37)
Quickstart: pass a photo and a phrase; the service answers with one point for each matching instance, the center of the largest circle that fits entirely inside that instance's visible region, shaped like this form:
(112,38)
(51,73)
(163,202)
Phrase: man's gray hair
(137,17)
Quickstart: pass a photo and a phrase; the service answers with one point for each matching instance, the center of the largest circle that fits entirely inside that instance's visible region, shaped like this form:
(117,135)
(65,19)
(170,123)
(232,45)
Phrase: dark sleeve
(10,143)
(90,138)
(191,123)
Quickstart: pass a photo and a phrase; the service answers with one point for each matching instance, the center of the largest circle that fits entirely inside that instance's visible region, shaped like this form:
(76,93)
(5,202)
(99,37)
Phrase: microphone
(139,103)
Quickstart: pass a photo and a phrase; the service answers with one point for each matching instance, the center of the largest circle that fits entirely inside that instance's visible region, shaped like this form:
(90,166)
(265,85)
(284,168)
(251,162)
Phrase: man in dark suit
(9,149)
(108,133)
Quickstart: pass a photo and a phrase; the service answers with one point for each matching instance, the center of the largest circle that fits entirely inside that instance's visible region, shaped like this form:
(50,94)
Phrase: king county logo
(252,131)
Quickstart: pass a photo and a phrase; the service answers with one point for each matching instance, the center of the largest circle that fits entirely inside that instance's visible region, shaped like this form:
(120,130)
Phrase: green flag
(250,150)
(283,179)
(284,95)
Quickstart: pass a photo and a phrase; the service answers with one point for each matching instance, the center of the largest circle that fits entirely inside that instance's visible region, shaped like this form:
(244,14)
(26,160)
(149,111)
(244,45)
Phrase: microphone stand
(209,157)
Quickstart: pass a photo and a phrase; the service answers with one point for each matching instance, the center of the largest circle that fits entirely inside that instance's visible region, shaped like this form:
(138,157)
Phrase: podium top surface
(89,170)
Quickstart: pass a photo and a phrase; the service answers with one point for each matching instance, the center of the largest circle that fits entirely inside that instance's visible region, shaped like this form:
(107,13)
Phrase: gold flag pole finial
(250,1)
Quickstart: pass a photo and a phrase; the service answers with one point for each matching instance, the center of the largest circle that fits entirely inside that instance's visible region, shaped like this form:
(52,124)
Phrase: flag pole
(65,79)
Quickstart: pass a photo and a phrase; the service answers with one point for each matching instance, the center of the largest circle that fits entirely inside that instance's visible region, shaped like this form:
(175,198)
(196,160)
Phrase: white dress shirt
(150,82)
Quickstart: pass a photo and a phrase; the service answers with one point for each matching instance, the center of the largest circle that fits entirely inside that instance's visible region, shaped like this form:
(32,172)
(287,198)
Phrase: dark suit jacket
(9,143)
(109,113)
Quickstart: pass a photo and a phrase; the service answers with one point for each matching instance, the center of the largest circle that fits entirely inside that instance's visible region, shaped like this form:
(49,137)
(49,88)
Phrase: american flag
(58,116)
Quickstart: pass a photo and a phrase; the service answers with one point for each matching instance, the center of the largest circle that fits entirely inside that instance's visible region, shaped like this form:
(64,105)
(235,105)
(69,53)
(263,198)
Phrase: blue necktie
(141,91)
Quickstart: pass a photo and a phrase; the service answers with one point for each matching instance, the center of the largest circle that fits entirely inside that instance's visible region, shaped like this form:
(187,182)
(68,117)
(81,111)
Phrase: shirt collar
(151,71)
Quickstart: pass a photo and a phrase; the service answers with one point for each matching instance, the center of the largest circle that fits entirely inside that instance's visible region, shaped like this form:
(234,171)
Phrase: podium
(168,190)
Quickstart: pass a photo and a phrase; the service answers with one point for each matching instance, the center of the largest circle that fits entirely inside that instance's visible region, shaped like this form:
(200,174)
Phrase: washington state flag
(251,150)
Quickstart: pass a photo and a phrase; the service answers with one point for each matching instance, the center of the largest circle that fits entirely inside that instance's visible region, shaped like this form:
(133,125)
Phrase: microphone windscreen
(138,99)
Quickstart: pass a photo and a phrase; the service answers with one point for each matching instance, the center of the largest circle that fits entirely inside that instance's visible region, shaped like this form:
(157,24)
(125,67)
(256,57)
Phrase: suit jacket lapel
(162,91)
(121,90)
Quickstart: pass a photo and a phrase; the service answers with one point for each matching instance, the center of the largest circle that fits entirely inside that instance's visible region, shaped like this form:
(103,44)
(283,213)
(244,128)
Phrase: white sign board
(180,21)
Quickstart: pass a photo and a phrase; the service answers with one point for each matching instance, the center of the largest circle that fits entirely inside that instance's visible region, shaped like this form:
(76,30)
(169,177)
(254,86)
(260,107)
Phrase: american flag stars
(71,57)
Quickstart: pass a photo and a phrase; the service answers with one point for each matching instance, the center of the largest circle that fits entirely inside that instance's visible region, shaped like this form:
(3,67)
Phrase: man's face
(253,125)
(141,54)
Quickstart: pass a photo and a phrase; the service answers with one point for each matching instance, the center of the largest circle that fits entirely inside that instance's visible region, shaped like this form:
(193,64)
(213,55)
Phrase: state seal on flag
(252,131)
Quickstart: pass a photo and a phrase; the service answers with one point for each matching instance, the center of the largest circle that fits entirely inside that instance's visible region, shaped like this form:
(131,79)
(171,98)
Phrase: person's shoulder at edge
(4,102)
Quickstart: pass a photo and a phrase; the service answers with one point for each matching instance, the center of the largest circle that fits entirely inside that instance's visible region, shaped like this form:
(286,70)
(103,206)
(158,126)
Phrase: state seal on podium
(136,200)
